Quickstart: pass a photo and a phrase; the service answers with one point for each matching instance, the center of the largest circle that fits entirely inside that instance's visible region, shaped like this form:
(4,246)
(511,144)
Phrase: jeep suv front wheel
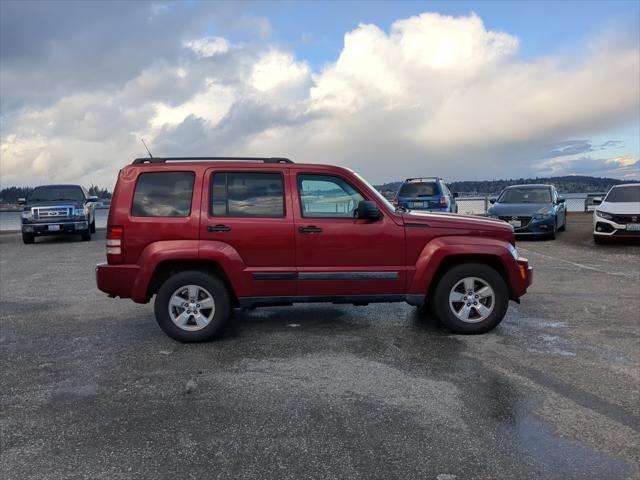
(471,298)
(192,306)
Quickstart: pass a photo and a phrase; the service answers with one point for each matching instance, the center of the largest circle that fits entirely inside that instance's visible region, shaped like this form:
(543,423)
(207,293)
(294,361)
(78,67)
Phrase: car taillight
(114,243)
(444,202)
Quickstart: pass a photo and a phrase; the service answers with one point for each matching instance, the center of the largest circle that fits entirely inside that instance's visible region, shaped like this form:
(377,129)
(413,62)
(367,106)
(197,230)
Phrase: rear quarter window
(163,194)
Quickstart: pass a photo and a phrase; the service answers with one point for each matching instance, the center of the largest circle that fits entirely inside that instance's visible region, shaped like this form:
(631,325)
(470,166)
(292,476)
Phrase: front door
(336,254)
(250,211)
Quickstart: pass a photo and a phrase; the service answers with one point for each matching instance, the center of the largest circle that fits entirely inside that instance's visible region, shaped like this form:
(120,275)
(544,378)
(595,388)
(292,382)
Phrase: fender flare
(440,249)
(188,250)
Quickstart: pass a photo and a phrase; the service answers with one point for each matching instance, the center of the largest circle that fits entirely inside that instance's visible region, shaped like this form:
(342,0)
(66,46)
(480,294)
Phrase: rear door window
(247,194)
(419,189)
(163,194)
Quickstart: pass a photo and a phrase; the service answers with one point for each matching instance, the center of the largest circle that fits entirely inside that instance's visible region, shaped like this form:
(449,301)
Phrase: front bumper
(57,228)
(610,229)
(521,278)
(537,227)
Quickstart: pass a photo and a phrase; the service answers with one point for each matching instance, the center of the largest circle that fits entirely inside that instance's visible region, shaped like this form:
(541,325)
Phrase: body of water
(575,203)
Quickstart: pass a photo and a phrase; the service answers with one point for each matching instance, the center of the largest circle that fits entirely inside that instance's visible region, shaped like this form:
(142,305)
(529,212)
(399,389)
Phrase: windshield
(378,195)
(421,189)
(57,194)
(624,194)
(525,195)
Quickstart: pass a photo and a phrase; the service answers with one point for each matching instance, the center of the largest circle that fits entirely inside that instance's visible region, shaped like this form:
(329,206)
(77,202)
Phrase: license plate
(633,227)
(54,228)
(515,223)
(418,204)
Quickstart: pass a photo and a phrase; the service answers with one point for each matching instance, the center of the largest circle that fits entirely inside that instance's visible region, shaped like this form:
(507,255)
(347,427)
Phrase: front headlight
(605,215)
(542,216)
(27,215)
(81,212)
(514,251)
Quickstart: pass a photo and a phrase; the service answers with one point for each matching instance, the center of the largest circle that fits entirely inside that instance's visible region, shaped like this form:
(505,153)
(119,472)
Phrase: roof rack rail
(414,179)
(138,161)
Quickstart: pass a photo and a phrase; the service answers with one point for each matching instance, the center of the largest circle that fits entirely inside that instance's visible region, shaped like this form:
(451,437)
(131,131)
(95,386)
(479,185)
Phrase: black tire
(564,224)
(28,238)
(451,278)
(92,227)
(552,235)
(598,240)
(86,235)
(211,284)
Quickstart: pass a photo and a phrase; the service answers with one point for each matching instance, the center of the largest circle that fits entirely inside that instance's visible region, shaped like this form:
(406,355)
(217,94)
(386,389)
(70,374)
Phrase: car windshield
(624,194)
(57,194)
(419,189)
(378,195)
(525,195)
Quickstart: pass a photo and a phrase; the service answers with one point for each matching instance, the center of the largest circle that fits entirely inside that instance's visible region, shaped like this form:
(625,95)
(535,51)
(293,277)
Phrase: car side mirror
(596,201)
(92,198)
(492,200)
(22,201)
(455,194)
(367,210)
(560,200)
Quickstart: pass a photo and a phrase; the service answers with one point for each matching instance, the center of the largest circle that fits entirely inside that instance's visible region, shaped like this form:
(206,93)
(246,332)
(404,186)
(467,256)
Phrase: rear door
(250,210)
(338,255)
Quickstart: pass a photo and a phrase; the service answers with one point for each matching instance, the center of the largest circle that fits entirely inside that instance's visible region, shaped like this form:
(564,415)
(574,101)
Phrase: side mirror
(596,201)
(22,201)
(367,210)
(455,194)
(492,200)
(560,200)
(92,198)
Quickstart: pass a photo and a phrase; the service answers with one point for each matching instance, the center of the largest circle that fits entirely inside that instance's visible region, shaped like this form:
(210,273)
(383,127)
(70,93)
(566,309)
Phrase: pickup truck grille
(52,213)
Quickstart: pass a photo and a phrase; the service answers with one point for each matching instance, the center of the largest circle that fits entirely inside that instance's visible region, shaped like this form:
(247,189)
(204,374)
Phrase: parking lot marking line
(580,265)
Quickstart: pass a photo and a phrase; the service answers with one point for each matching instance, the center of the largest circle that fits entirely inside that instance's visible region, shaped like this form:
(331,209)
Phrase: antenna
(147,148)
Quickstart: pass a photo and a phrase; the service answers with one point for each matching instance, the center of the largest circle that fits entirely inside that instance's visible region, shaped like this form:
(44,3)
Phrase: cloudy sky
(463,90)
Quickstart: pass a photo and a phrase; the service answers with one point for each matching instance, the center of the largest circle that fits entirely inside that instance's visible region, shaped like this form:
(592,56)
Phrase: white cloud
(435,95)
(209,46)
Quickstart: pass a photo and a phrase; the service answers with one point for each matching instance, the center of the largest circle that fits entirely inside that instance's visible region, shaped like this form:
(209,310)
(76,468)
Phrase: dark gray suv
(58,210)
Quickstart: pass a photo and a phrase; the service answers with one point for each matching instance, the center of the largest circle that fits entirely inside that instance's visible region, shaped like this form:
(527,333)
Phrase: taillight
(444,202)
(114,243)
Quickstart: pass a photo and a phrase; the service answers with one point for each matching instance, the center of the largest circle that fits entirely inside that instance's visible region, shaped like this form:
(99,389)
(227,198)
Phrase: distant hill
(564,184)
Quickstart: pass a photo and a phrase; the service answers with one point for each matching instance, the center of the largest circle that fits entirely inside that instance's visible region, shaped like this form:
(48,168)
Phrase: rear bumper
(118,281)
(61,228)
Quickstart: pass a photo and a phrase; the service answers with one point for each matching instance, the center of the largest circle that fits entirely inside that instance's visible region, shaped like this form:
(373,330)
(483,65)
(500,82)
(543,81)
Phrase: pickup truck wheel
(471,298)
(86,235)
(27,238)
(192,306)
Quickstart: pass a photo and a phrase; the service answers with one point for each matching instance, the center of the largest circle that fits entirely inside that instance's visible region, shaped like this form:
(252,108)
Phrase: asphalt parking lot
(91,388)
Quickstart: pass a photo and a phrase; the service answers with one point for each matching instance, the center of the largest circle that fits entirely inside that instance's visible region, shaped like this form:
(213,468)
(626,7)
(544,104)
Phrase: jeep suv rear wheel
(192,306)
(471,298)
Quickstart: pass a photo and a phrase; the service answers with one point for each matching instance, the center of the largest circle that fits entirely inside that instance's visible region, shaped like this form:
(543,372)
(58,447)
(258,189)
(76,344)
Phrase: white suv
(618,216)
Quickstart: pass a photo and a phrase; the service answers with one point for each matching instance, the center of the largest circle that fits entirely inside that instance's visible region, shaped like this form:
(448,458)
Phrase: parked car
(531,209)
(618,216)
(207,236)
(58,210)
(426,193)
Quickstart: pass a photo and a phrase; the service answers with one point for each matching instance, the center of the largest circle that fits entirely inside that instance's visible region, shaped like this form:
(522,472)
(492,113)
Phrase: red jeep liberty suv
(206,235)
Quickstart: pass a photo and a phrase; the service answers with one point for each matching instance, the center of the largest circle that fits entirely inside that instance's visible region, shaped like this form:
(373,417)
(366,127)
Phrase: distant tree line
(12,194)
(564,184)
